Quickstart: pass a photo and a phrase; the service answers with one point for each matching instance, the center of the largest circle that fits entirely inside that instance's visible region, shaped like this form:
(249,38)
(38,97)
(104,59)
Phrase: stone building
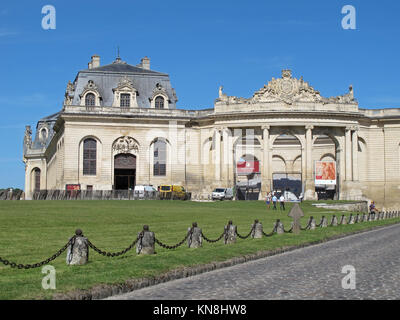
(119,127)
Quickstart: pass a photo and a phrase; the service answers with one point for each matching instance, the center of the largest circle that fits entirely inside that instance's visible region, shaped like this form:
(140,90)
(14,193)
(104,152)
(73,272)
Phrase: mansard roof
(108,77)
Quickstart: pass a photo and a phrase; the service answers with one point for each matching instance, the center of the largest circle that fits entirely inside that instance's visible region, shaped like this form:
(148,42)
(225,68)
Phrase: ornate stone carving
(159,90)
(288,90)
(69,93)
(28,137)
(125,145)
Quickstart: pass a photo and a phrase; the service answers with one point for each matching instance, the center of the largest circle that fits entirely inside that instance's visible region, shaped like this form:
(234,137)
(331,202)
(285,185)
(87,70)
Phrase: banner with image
(325,172)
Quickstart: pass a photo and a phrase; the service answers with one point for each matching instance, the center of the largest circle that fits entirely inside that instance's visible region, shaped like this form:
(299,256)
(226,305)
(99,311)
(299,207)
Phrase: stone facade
(286,126)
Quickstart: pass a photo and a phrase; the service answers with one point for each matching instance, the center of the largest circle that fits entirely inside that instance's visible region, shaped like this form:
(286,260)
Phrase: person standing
(282,202)
(274,200)
(268,200)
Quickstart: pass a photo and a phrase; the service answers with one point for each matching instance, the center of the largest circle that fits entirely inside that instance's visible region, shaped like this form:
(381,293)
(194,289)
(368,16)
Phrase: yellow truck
(173,192)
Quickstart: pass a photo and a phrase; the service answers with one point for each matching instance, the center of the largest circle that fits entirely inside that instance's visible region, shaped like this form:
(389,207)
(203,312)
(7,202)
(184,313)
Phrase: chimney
(145,62)
(95,62)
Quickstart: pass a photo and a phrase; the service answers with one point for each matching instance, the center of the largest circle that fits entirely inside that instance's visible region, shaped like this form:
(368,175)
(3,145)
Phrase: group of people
(272,197)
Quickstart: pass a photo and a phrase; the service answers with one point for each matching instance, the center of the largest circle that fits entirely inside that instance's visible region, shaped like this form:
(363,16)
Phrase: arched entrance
(124,171)
(287,166)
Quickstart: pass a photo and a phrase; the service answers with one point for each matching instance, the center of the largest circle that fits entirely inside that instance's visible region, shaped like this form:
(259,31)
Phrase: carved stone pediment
(159,90)
(125,84)
(125,145)
(288,90)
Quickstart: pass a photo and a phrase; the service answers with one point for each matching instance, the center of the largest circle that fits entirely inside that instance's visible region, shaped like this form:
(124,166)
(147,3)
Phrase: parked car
(222,194)
(144,191)
(174,192)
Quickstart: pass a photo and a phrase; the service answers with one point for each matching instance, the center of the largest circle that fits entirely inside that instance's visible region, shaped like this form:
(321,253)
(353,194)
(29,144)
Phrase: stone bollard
(351,219)
(78,250)
(230,233)
(195,239)
(343,219)
(257,230)
(312,223)
(357,219)
(376,216)
(364,218)
(324,223)
(146,242)
(334,221)
(279,227)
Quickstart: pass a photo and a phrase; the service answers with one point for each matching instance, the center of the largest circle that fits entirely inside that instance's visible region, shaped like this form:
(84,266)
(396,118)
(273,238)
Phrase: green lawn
(31,231)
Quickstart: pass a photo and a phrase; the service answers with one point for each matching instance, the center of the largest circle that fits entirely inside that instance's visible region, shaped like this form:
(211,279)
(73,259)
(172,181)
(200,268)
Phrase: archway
(124,171)
(287,166)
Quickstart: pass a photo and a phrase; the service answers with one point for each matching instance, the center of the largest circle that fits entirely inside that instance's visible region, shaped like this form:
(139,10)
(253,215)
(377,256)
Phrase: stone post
(146,242)
(334,221)
(195,239)
(364,217)
(257,230)
(279,227)
(230,233)
(351,219)
(324,223)
(312,223)
(78,250)
(343,220)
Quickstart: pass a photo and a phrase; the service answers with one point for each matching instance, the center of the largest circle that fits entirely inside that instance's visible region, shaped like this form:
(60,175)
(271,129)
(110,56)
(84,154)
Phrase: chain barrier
(172,247)
(245,237)
(113,254)
(140,236)
(212,241)
(271,233)
(308,225)
(39,264)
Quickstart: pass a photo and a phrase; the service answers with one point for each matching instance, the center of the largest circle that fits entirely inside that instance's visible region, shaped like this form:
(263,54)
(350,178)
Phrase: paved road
(309,273)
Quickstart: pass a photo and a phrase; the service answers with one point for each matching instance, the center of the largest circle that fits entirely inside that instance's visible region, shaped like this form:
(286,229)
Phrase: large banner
(247,167)
(325,172)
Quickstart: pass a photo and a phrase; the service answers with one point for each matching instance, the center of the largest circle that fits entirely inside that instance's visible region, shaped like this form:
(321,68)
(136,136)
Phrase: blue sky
(238,44)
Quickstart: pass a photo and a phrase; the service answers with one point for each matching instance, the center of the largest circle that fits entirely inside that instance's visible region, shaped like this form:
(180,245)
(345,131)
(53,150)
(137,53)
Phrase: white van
(144,191)
(222,194)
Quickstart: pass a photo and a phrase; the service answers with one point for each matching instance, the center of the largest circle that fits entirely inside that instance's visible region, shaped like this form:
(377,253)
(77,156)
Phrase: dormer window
(90,100)
(159,102)
(125,101)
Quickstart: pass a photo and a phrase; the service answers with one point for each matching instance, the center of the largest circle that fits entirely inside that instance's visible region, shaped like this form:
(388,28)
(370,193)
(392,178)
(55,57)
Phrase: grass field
(31,231)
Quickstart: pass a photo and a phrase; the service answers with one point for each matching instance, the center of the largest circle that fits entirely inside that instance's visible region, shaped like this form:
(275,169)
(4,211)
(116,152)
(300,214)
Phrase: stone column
(348,151)
(310,184)
(355,154)
(226,157)
(217,158)
(266,178)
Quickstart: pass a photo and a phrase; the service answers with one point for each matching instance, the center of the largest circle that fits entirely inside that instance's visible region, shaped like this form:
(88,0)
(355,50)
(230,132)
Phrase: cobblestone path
(313,272)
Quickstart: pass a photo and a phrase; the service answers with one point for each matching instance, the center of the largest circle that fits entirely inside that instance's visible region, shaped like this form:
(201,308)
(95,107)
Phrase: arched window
(160,158)
(159,103)
(90,100)
(37,179)
(89,157)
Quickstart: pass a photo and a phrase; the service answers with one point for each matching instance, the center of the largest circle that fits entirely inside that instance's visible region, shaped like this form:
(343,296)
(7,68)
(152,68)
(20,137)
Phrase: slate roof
(107,77)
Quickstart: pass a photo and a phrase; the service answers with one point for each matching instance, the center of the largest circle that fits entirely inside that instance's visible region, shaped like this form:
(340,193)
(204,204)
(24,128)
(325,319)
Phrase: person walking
(282,202)
(274,200)
(268,200)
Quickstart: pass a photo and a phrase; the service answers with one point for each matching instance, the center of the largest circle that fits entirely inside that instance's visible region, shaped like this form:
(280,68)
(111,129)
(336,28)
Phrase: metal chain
(307,227)
(245,237)
(213,241)
(270,234)
(112,254)
(39,264)
(172,247)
